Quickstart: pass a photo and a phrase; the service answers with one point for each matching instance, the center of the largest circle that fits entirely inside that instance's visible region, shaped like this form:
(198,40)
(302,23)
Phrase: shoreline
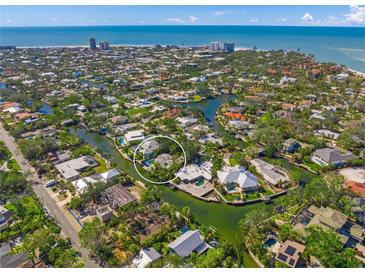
(356,72)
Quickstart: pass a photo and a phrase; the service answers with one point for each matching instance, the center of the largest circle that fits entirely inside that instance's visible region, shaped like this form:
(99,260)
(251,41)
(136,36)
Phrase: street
(51,206)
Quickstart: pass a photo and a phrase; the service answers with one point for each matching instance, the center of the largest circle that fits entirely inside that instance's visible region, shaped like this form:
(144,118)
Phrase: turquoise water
(343,45)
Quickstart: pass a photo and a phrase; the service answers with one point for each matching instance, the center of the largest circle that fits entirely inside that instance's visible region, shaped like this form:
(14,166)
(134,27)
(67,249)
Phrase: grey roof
(187,243)
(13,261)
(152,253)
(331,155)
(4,249)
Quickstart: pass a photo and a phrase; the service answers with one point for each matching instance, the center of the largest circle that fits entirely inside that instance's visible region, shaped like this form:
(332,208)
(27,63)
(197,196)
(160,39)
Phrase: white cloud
(254,20)
(307,17)
(356,15)
(220,13)
(175,20)
(281,20)
(55,20)
(192,19)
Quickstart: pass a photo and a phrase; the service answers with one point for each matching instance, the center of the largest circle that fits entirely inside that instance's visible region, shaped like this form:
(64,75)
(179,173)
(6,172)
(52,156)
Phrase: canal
(224,218)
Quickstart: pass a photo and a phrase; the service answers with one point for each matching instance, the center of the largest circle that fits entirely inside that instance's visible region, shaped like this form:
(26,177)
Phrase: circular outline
(154,182)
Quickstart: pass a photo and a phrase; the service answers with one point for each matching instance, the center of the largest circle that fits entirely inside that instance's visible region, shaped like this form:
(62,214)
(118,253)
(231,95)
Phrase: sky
(182,15)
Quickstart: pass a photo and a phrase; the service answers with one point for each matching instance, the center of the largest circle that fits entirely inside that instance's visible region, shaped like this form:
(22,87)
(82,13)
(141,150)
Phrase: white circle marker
(156,182)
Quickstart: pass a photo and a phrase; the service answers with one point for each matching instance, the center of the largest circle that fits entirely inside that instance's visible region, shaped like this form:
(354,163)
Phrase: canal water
(224,218)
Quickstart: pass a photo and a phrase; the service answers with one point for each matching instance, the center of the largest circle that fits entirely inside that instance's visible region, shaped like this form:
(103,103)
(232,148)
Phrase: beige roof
(327,217)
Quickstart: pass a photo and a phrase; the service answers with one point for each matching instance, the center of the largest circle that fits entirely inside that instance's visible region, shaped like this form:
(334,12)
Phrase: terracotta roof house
(173,113)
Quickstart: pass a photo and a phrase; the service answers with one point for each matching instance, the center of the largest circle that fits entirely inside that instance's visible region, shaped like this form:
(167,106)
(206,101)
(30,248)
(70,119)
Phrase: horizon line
(182,25)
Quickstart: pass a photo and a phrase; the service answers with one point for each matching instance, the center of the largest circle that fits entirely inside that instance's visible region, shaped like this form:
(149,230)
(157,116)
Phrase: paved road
(51,206)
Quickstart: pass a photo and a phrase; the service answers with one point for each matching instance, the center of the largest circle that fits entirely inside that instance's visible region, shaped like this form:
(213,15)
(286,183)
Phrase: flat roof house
(135,135)
(191,241)
(195,172)
(72,168)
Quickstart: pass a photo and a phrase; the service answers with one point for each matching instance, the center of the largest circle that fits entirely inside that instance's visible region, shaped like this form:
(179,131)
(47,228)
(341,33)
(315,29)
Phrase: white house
(145,257)
(195,172)
(237,176)
(148,148)
(135,135)
(186,121)
(269,172)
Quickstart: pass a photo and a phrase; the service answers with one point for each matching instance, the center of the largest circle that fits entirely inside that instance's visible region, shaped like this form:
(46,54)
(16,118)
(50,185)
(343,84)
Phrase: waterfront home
(289,253)
(135,135)
(165,160)
(196,172)
(331,156)
(145,257)
(237,177)
(148,148)
(328,218)
(273,174)
(72,168)
(191,241)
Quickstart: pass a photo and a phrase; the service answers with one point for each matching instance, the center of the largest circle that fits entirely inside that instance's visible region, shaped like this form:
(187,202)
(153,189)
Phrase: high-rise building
(92,43)
(104,45)
(214,46)
(229,47)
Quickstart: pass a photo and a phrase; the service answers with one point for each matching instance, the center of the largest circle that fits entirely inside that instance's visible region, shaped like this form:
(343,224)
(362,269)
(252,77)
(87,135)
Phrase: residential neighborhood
(180,156)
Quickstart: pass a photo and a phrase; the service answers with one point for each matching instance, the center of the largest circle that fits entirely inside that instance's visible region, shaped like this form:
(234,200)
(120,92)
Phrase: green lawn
(137,111)
(313,166)
(103,166)
(13,165)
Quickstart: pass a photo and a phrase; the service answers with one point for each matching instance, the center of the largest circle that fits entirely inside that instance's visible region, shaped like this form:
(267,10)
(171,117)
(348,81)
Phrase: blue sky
(182,15)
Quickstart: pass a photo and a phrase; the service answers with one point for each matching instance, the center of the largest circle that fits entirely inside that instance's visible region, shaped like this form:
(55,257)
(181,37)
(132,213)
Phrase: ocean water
(343,45)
